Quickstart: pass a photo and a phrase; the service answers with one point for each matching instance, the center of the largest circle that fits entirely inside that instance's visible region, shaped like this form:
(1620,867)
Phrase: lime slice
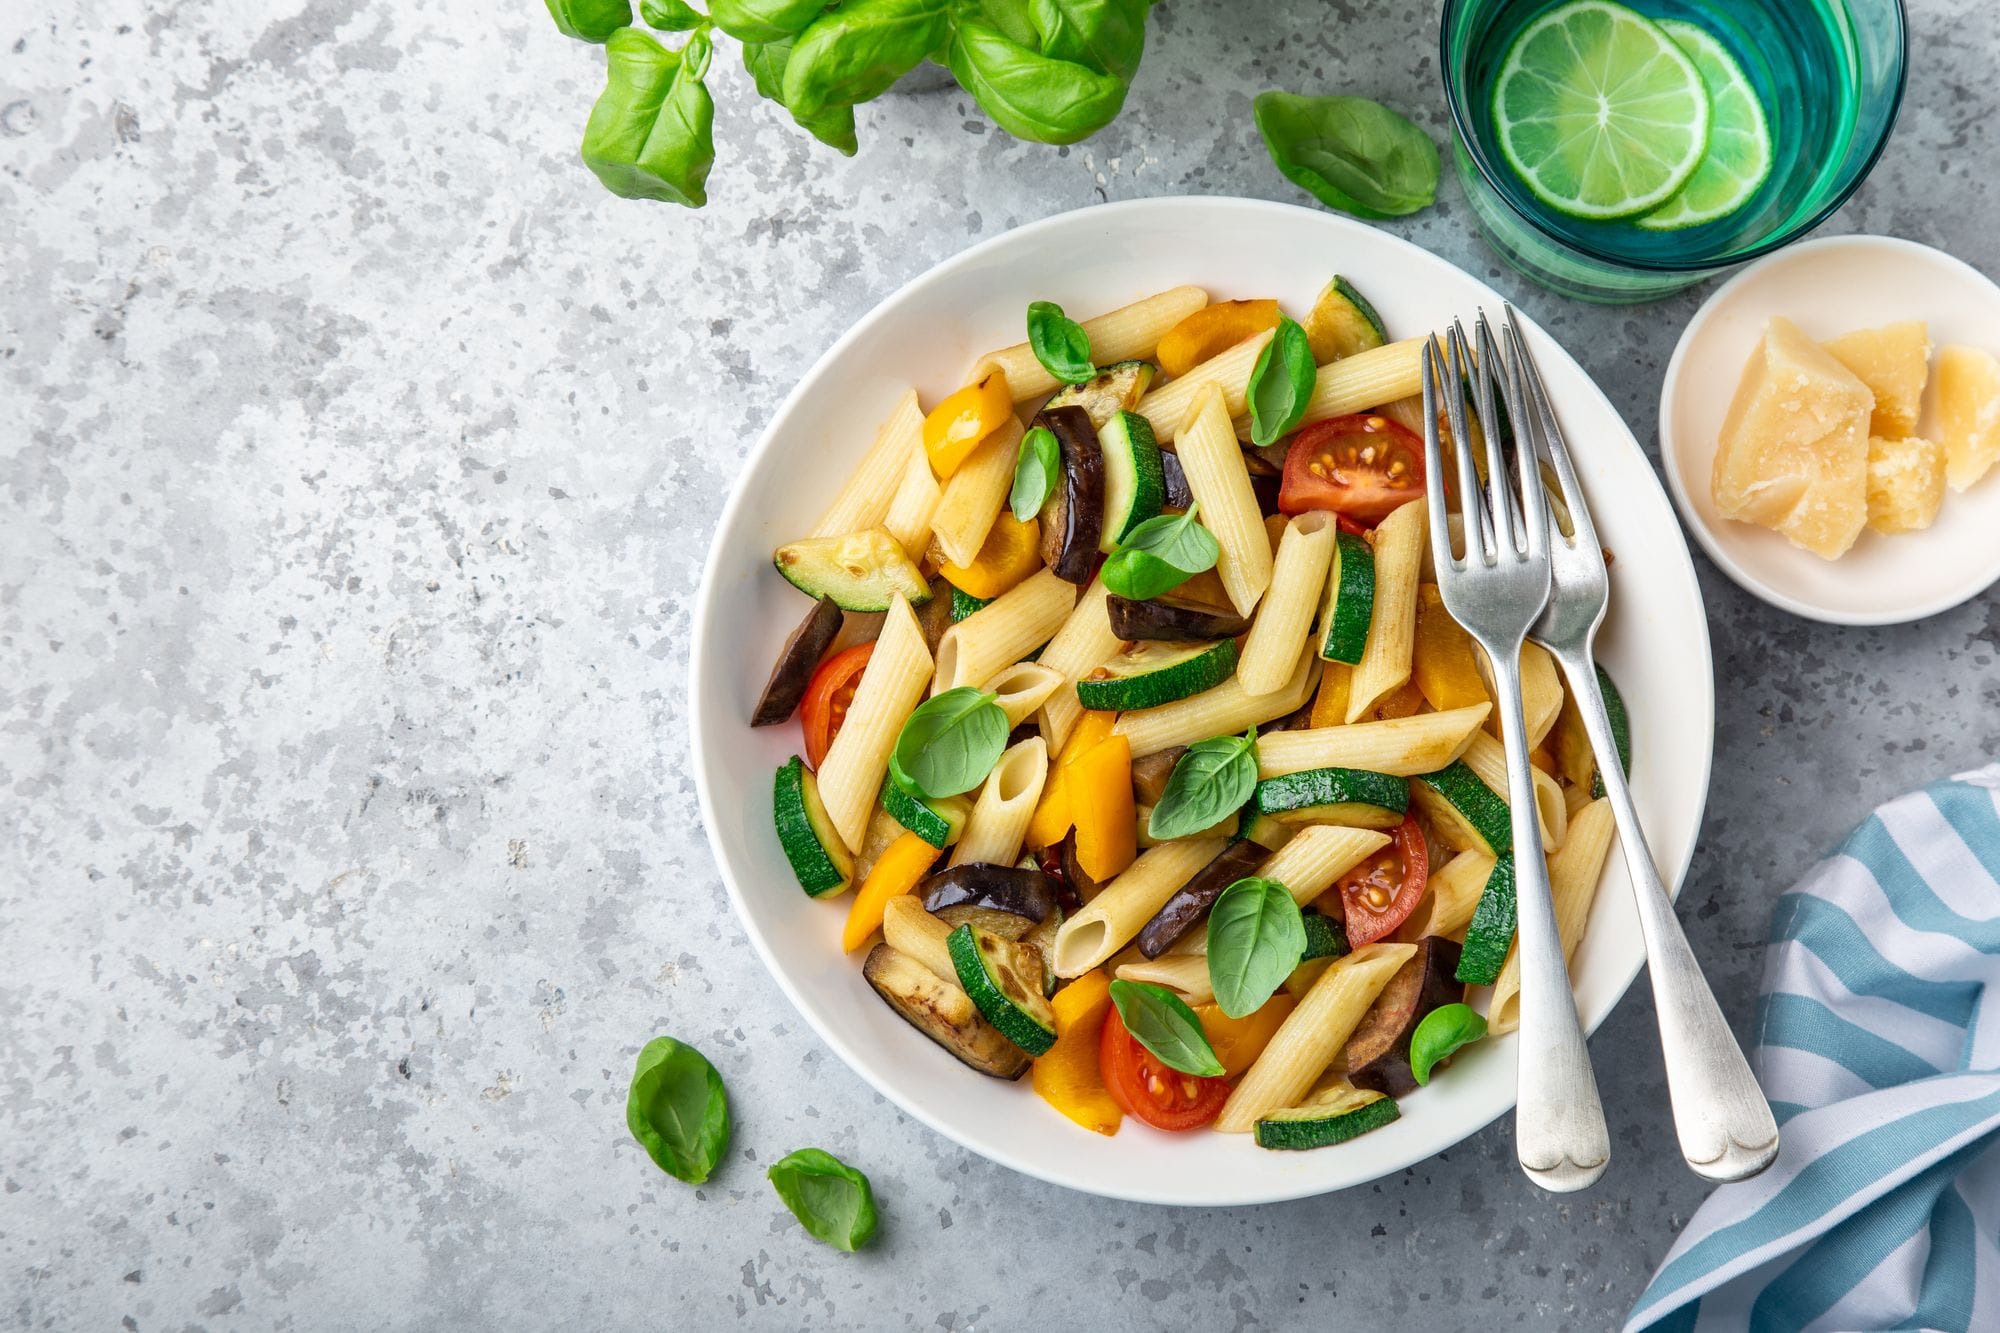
(1598,112)
(1739,139)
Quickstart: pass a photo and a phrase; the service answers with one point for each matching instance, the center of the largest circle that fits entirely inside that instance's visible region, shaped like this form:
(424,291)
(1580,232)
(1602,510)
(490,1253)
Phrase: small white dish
(1828,287)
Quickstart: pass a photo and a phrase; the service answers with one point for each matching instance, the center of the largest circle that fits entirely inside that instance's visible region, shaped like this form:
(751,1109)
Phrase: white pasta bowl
(928,334)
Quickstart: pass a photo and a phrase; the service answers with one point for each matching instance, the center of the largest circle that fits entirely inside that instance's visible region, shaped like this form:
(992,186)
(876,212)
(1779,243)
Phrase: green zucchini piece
(1334,1116)
(862,571)
(1005,982)
(964,604)
(1492,929)
(806,833)
(937,822)
(1135,486)
(1350,600)
(1621,731)
(1325,937)
(1466,811)
(1117,388)
(1342,323)
(1267,832)
(1355,797)
(1149,673)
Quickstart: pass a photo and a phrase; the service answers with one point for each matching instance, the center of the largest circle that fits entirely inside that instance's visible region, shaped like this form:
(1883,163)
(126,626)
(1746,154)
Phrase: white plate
(1828,287)
(929,333)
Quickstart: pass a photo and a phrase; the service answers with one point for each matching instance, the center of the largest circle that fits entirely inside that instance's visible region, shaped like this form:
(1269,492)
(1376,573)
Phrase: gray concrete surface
(359,458)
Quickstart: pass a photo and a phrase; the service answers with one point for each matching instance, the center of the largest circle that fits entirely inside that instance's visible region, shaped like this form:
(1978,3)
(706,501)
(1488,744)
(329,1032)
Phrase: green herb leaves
(652,133)
(853,54)
(1255,938)
(1282,384)
(1444,1030)
(1349,153)
(669,15)
(763,20)
(1059,343)
(1036,471)
(1159,555)
(1029,94)
(677,1109)
(1160,1021)
(951,742)
(831,1199)
(590,20)
(1209,783)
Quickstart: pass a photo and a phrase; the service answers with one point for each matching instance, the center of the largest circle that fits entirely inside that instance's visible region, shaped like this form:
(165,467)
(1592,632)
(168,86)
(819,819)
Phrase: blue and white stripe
(1878,1040)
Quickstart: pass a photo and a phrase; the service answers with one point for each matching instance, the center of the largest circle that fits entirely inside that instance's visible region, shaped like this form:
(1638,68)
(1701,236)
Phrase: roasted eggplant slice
(1180,622)
(942,1012)
(797,661)
(1073,521)
(1026,895)
(1195,897)
(935,616)
(1378,1054)
(1179,494)
(1150,774)
(1075,878)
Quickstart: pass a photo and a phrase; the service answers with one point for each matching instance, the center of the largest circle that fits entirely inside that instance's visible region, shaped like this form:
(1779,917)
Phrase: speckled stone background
(360,454)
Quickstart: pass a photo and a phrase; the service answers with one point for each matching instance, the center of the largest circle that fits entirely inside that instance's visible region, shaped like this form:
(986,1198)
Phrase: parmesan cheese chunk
(1893,361)
(1793,452)
(1968,397)
(1905,483)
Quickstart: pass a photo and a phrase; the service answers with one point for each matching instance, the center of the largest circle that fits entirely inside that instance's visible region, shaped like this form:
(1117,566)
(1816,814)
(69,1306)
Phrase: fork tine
(1585,532)
(1500,495)
(1472,509)
(1440,528)
(1527,451)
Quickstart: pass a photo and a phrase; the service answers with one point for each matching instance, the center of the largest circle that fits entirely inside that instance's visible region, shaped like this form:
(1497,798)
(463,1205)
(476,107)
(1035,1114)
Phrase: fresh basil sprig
(1159,555)
(1211,781)
(1029,94)
(763,20)
(1160,1021)
(669,15)
(952,741)
(1282,384)
(590,20)
(1035,473)
(1255,938)
(1349,153)
(766,62)
(1443,1031)
(677,1109)
(652,133)
(831,1199)
(1059,343)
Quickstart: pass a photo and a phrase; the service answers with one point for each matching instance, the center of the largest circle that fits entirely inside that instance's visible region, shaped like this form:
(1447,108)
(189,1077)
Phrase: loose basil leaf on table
(1349,153)
(669,15)
(652,133)
(763,20)
(1160,1021)
(854,53)
(1443,1031)
(832,1200)
(1159,555)
(590,20)
(1059,343)
(1028,94)
(1209,783)
(677,1109)
(952,741)
(1256,936)
(766,61)
(1036,472)
(1281,386)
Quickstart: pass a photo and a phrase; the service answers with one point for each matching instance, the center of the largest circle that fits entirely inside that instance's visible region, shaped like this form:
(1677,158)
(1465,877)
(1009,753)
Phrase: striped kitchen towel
(1878,1041)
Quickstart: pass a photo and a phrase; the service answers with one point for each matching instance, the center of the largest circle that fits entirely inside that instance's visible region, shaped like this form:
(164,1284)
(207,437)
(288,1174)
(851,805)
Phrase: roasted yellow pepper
(1211,329)
(1067,1075)
(1012,551)
(1099,784)
(1330,703)
(1053,816)
(897,871)
(955,426)
(1239,1041)
(1442,664)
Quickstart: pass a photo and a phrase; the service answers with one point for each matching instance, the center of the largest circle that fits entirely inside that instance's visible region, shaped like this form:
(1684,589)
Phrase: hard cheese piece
(1893,361)
(1905,483)
(1793,454)
(1968,397)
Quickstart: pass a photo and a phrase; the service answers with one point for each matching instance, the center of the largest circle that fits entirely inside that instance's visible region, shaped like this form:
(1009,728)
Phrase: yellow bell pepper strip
(1011,552)
(1066,1075)
(1406,700)
(897,871)
(1211,329)
(1206,589)
(1100,796)
(954,428)
(1053,816)
(1442,664)
(1239,1041)
(1330,703)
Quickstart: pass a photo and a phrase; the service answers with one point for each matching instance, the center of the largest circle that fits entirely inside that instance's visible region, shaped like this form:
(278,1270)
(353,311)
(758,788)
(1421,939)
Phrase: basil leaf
(1282,384)
(1349,153)
(652,133)
(1104,35)
(763,20)
(832,1200)
(1139,577)
(1443,1031)
(1028,94)
(1159,555)
(590,20)
(951,742)
(1214,778)
(766,62)
(1255,938)
(677,1109)
(854,53)
(1035,473)
(669,15)
(1160,1021)
(1059,343)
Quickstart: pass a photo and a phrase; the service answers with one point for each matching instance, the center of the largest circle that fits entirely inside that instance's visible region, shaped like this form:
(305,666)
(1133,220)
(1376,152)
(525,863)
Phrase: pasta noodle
(1298,574)
(1309,864)
(970,501)
(1402,746)
(850,777)
(1574,873)
(1118,335)
(1003,631)
(1222,711)
(1184,974)
(1369,379)
(1487,758)
(1023,688)
(1392,625)
(910,510)
(1450,897)
(910,930)
(1169,407)
(1082,645)
(1111,919)
(1220,485)
(865,500)
(999,818)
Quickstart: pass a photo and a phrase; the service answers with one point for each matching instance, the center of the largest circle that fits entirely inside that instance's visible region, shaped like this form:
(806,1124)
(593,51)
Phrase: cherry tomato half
(1142,1086)
(827,698)
(1362,466)
(1379,894)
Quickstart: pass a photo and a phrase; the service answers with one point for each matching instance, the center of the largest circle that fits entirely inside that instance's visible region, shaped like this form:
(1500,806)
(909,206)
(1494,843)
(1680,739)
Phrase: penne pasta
(916,934)
(1112,919)
(1184,974)
(1306,1044)
(1318,855)
(1002,632)
(865,500)
(1408,412)
(910,510)
(999,819)
(1574,873)
(1402,746)
(971,500)
(1541,692)
(1222,711)
(1392,625)
(1220,484)
(1083,644)
(1285,620)
(1449,898)
(1370,379)
(850,777)
(1023,688)
(1118,335)
(1168,407)
(1487,758)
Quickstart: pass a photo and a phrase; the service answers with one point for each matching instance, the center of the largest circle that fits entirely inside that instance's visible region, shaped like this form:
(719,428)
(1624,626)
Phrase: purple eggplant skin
(1179,494)
(796,663)
(1073,521)
(1266,491)
(1176,621)
(1378,1053)
(1075,878)
(1151,773)
(1015,889)
(1192,899)
(934,616)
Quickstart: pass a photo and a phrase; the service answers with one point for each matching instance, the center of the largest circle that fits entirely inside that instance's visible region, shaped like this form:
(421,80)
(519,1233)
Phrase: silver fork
(1725,1124)
(1496,592)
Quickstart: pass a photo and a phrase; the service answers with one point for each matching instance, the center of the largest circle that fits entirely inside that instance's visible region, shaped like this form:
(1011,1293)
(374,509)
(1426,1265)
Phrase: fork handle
(1724,1122)
(1559,1132)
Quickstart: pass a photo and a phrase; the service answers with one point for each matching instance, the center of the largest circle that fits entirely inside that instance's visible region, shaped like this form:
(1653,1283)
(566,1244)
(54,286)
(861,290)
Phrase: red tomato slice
(1142,1086)
(827,699)
(1379,894)
(1362,466)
